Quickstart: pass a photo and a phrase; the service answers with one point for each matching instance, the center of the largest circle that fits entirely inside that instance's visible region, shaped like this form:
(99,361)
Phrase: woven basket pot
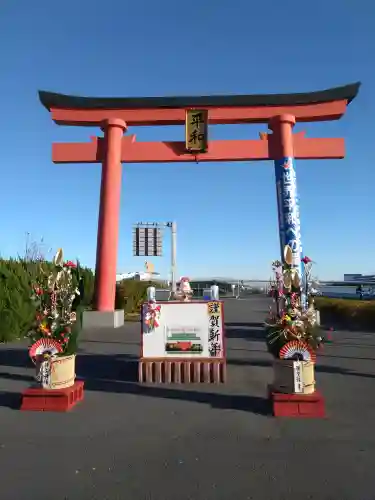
(57,373)
(284,376)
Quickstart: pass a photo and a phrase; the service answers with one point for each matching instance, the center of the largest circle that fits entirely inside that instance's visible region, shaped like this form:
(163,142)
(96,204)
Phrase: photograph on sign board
(192,329)
(182,340)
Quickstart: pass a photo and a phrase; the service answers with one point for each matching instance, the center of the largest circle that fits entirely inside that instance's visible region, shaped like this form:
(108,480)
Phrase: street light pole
(173,226)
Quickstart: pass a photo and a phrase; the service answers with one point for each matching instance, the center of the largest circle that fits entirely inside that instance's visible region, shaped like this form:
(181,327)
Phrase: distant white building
(359,277)
(138,276)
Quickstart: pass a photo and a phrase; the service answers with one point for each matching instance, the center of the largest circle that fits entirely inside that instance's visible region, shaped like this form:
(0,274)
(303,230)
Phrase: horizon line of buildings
(153,276)
(359,277)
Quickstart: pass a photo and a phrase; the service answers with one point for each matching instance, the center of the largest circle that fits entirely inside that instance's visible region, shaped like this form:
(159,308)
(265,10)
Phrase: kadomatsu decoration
(293,333)
(55,331)
(294,316)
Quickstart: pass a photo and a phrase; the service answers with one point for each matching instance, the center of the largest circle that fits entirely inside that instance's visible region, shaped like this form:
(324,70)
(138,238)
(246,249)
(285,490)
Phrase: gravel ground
(132,442)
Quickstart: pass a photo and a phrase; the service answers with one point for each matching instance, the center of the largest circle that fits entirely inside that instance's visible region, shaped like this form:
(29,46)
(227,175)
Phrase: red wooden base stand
(297,405)
(38,399)
(182,371)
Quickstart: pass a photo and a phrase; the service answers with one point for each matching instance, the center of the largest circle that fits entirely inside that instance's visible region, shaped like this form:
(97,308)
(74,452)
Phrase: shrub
(17,310)
(86,288)
(347,314)
(130,294)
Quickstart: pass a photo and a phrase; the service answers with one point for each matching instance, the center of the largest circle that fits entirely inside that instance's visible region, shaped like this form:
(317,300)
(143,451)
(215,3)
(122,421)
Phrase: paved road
(132,442)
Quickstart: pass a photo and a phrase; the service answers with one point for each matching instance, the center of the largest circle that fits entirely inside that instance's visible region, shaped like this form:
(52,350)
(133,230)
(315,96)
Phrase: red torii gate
(115,115)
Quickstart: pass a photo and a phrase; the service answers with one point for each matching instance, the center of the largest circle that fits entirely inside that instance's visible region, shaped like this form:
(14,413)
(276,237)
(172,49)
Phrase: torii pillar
(286,189)
(286,186)
(109,212)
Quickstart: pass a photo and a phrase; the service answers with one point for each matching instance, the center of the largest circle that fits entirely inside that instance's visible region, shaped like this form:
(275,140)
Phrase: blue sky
(226,213)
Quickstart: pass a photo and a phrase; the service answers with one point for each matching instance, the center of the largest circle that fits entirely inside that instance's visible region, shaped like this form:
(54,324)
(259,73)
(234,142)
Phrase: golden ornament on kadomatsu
(291,277)
(288,255)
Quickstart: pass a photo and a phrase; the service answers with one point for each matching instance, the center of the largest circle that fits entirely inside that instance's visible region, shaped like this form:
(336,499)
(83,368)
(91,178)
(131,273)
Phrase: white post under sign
(151,293)
(214,292)
(317,317)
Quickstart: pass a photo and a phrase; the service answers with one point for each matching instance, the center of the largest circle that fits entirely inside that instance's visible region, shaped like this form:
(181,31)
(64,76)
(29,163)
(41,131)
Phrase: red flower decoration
(70,264)
(306,260)
(38,291)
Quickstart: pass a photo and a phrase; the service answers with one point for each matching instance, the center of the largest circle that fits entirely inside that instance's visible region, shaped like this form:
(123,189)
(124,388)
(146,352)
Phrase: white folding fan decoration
(44,346)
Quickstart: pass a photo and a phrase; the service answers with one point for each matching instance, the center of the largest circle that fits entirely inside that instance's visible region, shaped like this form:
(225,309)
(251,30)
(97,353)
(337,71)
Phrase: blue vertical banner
(288,210)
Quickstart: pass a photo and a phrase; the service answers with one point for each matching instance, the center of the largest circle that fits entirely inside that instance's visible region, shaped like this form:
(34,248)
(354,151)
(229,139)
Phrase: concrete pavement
(127,441)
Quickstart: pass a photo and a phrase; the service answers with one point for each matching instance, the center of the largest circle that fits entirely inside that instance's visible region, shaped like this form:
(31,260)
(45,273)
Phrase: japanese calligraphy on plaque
(215,331)
(297,373)
(196,130)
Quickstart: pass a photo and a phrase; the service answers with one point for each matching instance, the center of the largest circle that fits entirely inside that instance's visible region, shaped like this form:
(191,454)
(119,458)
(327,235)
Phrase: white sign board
(184,330)
(298,376)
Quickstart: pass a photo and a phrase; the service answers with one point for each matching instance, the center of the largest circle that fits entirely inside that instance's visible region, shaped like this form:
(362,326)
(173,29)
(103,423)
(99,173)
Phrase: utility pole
(173,226)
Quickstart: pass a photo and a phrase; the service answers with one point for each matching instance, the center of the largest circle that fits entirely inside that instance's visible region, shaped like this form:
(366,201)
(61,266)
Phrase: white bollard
(214,292)
(317,317)
(151,294)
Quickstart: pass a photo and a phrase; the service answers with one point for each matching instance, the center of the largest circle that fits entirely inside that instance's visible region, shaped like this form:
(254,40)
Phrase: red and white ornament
(152,315)
(297,347)
(44,346)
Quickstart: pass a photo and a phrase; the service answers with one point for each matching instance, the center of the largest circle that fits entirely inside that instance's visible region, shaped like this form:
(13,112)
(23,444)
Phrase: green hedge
(130,294)
(17,311)
(347,314)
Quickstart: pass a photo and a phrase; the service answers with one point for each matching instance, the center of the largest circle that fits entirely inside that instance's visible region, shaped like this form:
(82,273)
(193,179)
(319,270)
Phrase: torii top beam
(323,105)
